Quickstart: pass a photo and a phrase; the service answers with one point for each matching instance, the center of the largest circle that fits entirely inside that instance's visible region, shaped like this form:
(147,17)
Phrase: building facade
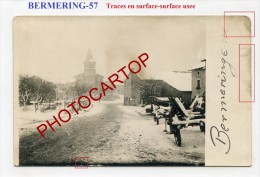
(199,79)
(132,90)
(137,91)
(89,78)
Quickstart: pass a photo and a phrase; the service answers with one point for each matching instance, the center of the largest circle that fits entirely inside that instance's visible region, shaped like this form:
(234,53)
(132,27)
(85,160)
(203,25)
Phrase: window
(198,85)
(198,73)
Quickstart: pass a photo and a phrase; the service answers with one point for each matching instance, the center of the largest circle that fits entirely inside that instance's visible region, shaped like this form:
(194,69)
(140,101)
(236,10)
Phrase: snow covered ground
(112,134)
(29,120)
(157,145)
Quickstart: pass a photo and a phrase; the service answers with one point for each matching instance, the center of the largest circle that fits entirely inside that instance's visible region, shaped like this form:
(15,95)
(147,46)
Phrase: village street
(116,135)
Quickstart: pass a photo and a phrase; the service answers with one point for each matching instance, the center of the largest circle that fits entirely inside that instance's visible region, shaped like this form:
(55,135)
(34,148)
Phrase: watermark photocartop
(64,115)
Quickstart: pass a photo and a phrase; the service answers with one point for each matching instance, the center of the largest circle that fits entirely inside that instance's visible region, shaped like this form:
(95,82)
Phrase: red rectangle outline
(83,157)
(237,12)
(251,101)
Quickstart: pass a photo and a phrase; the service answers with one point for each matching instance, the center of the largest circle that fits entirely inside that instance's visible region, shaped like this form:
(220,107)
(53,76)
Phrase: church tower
(89,78)
(89,64)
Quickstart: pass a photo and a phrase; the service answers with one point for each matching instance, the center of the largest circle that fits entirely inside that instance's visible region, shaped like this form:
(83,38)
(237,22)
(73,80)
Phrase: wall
(202,77)
(132,90)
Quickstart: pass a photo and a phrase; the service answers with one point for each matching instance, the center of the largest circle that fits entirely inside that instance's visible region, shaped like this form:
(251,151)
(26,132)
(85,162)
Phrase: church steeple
(89,54)
(89,64)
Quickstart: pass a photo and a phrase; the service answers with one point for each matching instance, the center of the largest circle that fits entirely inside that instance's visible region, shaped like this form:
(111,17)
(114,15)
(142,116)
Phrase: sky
(55,48)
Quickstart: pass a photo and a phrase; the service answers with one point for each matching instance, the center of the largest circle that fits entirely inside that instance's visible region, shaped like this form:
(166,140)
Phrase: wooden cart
(182,118)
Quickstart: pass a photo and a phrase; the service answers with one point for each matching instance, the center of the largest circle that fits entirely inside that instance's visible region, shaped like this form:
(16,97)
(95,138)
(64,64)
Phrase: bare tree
(24,90)
(35,89)
(148,88)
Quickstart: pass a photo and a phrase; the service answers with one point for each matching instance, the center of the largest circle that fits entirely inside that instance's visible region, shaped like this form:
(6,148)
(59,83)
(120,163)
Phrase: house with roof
(198,79)
(137,91)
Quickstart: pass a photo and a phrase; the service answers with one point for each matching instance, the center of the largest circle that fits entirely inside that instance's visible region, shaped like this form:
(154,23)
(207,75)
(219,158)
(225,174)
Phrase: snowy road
(119,135)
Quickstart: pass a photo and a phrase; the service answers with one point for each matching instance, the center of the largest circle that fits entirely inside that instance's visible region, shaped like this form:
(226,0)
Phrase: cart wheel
(177,137)
(157,121)
(202,126)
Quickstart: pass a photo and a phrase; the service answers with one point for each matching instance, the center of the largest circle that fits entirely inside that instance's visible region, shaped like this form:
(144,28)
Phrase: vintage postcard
(132,91)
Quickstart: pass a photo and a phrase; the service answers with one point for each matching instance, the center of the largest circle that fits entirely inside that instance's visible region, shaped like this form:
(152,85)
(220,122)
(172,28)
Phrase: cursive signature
(221,134)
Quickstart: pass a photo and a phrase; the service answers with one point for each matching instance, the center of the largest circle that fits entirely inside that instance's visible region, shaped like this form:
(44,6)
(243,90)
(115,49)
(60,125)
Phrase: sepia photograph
(113,91)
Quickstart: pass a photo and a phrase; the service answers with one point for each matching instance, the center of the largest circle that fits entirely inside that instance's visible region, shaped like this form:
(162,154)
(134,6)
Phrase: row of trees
(35,89)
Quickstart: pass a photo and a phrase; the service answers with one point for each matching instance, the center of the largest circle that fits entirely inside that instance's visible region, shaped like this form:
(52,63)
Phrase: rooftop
(180,80)
(202,64)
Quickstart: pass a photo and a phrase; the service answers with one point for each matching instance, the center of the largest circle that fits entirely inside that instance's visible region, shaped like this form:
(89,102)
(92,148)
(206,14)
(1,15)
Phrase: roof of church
(83,74)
